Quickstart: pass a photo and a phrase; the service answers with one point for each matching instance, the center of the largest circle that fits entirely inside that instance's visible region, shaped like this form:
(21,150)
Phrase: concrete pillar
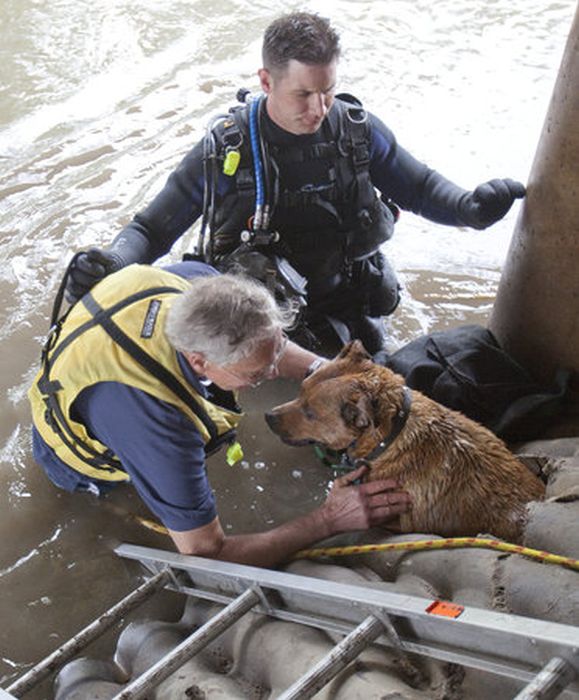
(536,313)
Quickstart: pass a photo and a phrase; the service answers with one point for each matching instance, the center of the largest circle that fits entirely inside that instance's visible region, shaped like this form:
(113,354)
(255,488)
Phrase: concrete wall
(536,314)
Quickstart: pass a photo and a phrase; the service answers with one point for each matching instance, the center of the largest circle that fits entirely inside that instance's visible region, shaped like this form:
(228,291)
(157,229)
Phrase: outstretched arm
(417,188)
(346,509)
(297,362)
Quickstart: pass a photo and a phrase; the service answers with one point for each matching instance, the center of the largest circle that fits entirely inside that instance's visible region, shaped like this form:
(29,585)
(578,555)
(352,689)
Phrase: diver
(300,187)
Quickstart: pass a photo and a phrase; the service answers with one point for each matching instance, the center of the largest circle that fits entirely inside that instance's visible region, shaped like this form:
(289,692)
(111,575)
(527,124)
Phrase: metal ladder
(545,655)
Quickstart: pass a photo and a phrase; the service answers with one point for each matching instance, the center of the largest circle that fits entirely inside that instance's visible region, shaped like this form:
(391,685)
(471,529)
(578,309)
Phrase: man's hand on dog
(350,507)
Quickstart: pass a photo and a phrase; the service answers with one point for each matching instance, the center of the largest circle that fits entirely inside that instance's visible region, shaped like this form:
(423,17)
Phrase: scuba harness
(253,255)
(236,140)
(243,233)
(256,230)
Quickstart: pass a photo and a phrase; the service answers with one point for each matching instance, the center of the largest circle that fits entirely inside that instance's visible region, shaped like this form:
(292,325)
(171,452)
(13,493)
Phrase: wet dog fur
(462,478)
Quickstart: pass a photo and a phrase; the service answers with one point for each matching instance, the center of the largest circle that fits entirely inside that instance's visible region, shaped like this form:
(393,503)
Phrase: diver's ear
(265,80)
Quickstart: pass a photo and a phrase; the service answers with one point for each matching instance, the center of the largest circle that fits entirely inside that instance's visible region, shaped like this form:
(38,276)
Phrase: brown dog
(463,480)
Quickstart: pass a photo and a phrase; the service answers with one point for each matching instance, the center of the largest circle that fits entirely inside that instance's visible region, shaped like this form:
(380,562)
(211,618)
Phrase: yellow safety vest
(116,334)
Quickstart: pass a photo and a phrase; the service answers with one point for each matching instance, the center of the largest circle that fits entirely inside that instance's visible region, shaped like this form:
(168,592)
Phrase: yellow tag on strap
(231,162)
(234,454)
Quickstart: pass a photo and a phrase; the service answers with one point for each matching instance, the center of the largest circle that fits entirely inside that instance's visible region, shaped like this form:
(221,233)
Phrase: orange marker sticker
(445,609)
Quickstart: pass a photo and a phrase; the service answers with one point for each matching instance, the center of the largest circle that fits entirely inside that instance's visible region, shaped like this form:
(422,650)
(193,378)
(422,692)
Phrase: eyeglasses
(258,377)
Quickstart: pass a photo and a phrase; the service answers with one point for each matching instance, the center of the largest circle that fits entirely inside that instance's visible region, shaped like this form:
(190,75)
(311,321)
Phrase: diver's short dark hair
(302,36)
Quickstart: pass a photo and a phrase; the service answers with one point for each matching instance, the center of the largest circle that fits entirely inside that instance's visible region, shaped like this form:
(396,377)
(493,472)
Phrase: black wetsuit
(368,290)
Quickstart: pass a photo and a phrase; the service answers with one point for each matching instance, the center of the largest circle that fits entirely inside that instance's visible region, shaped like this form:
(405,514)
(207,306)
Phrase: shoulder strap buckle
(361,155)
(357,115)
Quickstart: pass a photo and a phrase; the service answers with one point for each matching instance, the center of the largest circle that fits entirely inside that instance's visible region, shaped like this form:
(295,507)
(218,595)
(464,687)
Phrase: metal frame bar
(95,629)
(191,646)
(509,645)
(335,661)
(543,654)
(6,696)
(549,682)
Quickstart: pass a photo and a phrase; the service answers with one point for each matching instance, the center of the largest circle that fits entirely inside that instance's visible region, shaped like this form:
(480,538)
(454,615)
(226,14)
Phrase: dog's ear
(354,351)
(356,413)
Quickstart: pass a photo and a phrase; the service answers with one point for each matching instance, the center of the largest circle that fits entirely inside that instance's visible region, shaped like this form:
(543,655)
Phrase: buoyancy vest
(326,209)
(116,334)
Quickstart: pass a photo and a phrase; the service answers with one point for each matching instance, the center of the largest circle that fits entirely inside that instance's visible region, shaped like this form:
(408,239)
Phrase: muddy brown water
(98,101)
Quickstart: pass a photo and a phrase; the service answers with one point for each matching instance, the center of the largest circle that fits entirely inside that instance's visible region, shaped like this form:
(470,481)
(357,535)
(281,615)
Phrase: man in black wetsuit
(305,192)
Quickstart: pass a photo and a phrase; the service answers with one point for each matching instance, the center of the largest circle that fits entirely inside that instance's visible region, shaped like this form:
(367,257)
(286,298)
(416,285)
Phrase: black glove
(89,268)
(489,202)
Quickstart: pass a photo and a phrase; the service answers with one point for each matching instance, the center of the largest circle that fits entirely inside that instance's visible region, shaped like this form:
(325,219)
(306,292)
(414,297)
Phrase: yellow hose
(149,524)
(449,543)
(416,546)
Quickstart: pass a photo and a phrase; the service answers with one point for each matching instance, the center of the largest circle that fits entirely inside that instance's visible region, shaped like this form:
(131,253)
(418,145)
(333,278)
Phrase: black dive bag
(465,369)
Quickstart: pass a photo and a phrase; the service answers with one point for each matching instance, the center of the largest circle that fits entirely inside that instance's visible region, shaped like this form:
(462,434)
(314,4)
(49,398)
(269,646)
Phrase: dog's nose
(272,420)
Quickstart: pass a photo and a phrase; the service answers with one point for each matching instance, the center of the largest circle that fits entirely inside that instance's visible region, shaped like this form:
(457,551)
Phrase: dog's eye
(308,413)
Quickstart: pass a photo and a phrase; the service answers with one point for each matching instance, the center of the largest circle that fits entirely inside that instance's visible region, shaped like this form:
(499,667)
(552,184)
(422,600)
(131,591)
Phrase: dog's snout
(278,423)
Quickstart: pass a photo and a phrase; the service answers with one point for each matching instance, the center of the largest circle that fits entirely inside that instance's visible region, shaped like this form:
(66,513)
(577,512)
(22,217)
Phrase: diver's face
(299,97)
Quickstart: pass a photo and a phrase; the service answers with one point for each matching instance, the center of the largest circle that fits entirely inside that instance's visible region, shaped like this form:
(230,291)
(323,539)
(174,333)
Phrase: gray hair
(224,318)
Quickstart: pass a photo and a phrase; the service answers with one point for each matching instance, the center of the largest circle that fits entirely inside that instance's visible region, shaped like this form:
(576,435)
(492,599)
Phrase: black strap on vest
(317,151)
(233,130)
(56,419)
(54,415)
(104,318)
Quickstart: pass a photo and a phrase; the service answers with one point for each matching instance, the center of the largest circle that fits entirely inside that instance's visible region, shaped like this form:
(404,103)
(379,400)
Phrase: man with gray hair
(137,384)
